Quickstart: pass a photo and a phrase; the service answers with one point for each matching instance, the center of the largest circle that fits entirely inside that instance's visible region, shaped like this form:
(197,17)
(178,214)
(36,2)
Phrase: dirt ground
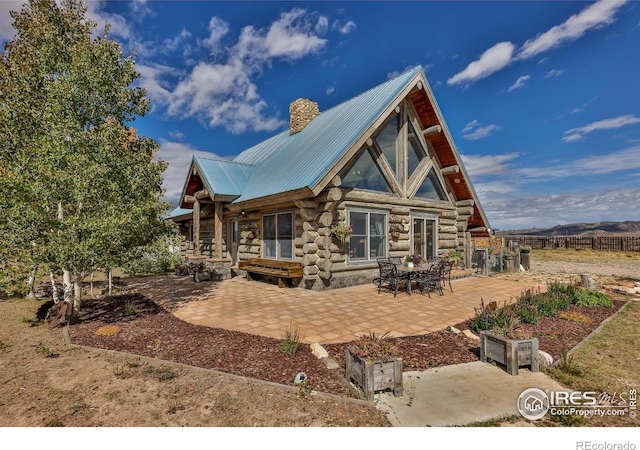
(46,382)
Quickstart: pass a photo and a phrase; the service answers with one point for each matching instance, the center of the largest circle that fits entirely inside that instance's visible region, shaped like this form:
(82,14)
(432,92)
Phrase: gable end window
(277,236)
(368,240)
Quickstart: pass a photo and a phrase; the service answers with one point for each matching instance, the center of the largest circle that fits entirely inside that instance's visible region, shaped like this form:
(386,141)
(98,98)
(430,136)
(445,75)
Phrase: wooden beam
(189,199)
(196,228)
(217,224)
(201,194)
(451,170)
(432,130)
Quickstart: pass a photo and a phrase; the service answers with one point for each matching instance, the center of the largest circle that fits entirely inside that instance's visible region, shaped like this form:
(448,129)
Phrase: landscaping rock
(330,363)
(545,358)
(470,335)
(318,351)
(453,330)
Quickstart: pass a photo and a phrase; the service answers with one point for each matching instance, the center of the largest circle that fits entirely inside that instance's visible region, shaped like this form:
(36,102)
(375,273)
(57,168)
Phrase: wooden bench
(284,271)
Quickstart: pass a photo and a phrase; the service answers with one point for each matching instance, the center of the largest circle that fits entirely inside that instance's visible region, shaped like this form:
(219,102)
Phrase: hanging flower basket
(341,231)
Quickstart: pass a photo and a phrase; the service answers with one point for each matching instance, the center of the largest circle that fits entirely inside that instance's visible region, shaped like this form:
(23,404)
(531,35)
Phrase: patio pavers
(340,315)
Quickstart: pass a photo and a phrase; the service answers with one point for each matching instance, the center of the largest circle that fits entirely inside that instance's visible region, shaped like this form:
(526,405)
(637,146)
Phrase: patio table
(407,271)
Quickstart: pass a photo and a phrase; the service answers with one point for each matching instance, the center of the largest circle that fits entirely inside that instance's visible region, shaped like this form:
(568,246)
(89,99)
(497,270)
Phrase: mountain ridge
(625,228)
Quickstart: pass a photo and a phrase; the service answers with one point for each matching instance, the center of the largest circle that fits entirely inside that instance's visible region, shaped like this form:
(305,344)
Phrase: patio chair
(445,276)
(388,276)
(430,280)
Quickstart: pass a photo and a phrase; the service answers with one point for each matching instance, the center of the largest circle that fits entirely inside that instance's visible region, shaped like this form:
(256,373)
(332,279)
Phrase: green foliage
(500,321)
(527,313)
(556,287)
(592,298)
(156,258)
(129,308)
(290,342)
(45,351)
(546,303)
(167,375)
(79,189)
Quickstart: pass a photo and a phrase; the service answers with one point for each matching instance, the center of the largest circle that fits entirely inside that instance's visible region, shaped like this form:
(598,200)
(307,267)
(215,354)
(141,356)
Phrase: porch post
(196,228)
(217,226)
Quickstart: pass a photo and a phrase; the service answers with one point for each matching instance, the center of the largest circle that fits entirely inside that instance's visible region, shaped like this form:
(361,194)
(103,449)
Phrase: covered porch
(341,315)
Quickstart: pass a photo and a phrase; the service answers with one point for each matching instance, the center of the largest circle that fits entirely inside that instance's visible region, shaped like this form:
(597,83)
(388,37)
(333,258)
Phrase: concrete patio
(341,315)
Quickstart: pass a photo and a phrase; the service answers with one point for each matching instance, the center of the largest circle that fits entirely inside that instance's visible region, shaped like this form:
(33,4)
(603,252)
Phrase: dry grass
(585,256)
(608,362)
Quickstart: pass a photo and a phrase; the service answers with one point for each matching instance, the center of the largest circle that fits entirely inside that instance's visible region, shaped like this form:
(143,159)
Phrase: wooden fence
(606,243)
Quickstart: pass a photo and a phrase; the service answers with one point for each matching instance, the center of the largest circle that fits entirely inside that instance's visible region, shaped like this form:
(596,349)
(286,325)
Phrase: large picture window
(277,236)
(368,240)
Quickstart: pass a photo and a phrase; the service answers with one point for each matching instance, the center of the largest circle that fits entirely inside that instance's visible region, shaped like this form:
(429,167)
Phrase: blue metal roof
(180,212)
(285,163)
(223,177)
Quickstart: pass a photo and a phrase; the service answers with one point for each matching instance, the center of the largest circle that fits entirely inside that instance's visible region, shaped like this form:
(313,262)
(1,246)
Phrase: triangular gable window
(415,151)
(387,139)
(431,189)
(365,174)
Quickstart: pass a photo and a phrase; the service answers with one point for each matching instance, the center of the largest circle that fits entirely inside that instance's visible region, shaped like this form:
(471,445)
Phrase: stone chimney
(302,112)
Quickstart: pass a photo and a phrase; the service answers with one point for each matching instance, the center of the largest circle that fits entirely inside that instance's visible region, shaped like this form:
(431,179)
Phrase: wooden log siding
(604,243)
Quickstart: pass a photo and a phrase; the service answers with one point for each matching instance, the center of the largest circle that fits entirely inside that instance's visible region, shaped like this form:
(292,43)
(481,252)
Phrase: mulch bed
(151,330)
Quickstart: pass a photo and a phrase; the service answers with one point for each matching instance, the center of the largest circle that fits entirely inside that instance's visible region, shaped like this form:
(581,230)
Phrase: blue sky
(542,98)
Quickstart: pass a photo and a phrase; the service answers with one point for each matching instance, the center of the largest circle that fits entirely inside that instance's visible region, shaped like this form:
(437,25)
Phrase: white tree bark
(54,289)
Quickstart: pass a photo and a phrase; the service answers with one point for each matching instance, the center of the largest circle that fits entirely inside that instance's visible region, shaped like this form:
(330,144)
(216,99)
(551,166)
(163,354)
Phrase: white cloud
(520,83)
(179,156)
(554,73)
(598,14)
(173,43)
(502,54)
(118,25)
(575,134)
(348,27)
(520,210)
(218,29)
(474,131)
(225,93)
(322,26)
(176,134)
(331,89)
(492,60)
(477,165)
(151,78)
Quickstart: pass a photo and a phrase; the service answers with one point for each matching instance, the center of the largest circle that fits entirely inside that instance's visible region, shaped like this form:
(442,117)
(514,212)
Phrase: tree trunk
(30,282)
(54,289)
(77,292)
(110,281)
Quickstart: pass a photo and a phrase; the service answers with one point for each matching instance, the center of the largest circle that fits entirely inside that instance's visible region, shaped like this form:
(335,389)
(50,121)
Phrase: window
(387,140)
(431,189)
(368,240)
(423,236)
(365,174)
(277,236)
(415,151)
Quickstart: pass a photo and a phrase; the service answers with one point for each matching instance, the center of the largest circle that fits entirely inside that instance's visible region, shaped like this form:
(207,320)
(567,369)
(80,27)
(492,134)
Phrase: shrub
(556,287)
(290,341)
(482,320)
(592,298)
(375,345)
(527,313)
(505,320)
(546,304)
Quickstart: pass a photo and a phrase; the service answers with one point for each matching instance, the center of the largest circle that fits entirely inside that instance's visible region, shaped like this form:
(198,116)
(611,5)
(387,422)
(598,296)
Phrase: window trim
(368,211)
(278,256)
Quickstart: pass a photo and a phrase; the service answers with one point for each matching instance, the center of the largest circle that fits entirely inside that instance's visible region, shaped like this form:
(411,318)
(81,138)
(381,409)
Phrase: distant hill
(627,228)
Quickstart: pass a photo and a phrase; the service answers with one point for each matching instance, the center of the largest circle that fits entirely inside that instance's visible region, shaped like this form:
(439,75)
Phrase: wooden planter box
(372,375)
(511,353)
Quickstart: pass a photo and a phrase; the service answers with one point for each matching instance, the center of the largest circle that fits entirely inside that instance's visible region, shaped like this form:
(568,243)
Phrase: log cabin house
(382,163)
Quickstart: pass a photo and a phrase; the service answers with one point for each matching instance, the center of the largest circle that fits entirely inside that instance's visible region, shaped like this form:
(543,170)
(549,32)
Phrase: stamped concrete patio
(341,315)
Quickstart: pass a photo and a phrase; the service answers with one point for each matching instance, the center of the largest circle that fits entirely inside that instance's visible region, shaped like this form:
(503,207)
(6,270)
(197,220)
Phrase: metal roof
(285,163)
(223,177)
(180,212)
